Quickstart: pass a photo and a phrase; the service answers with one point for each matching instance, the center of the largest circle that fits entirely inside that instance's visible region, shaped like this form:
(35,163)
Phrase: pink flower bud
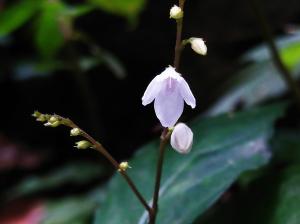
(182,138)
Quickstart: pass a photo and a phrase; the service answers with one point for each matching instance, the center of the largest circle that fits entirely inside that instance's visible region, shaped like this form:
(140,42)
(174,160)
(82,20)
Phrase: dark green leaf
(223,147)
(260,80)
(50,28)
(76,174)
(12,17)
(288,198)
(286,146)
(127,8)
(73,209)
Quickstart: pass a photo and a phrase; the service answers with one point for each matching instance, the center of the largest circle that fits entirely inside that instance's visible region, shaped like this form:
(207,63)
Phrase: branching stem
(98,147)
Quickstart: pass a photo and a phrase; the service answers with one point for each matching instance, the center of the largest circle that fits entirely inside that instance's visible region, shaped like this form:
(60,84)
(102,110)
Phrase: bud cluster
(55,121)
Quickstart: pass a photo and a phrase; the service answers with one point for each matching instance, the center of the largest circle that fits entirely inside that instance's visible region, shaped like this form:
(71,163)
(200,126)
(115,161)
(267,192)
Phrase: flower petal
(152,90)
(186,93)
(168,106)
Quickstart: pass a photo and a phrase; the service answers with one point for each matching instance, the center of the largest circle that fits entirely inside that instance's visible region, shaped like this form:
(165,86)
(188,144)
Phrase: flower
(182,138)
(169,91)
(176,12)
(198,45)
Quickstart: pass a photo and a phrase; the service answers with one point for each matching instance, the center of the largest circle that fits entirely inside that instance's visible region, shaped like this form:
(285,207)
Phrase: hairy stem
(283,70)
(165,136)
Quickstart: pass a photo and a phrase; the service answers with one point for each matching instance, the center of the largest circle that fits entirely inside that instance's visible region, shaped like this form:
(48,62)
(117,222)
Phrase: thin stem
(98,147)
(178,44)
(283,70)
(165,136)
(163,142)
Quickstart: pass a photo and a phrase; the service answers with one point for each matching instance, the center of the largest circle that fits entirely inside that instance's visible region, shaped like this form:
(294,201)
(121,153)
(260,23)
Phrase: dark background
(109,108)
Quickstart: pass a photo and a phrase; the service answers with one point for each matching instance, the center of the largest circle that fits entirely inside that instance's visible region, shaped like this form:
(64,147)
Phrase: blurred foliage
(53,28)
(227,178)
(127,8)
(223,147)
(260,80)
(72,174)
(77,210)
(17,15)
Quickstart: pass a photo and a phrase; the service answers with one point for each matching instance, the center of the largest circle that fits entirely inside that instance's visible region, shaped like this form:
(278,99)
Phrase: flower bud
(52,124)
(124,166)
(75,132)
(53,119)
(36,114)
(176,12)
(198,45)
(182,138)
(83,144)
(42,118)
(39,116)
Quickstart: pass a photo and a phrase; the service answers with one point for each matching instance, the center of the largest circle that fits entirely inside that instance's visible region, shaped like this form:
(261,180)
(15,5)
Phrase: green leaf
(224,147)
(49,34)
(14,16)
(127,8)
(286,145)
(76,174)
(260,80)
(288,198)
(75,209)
(55,25)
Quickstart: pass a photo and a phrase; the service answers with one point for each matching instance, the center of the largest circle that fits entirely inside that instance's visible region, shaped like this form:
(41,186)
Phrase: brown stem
(163,142)
(178,44)
(165,136)
(283,70)
(97,146)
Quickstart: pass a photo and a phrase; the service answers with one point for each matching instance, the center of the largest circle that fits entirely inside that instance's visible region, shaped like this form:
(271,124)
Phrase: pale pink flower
(182,138)
(169,91)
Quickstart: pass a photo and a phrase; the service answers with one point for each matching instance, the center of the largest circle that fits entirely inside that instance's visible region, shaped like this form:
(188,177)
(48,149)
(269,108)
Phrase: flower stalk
(165,136)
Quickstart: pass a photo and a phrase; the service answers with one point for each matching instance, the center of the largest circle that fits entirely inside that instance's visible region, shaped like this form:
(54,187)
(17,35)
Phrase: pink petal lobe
(187,94)
(151,91)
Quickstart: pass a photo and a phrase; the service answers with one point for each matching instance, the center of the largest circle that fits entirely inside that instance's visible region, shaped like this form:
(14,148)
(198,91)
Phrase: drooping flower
(169,91)
(182,138)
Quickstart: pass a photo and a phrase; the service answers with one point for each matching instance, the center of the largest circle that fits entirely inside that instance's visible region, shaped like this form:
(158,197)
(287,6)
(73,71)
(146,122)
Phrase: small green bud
(52,125)
(83,144)
(75,132)
(41,118)
(36,114)
(53,119)
(123,166)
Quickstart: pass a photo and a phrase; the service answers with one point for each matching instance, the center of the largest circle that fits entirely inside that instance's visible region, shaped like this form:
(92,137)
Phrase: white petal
(186,93)
(168,106)
(152,90)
